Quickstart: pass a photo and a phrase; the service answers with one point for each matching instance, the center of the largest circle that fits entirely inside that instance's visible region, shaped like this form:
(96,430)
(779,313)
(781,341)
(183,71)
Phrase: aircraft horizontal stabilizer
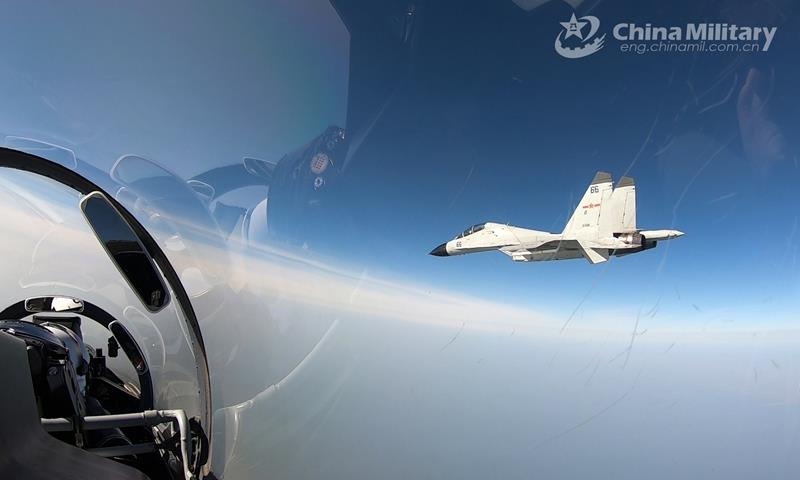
(594,256)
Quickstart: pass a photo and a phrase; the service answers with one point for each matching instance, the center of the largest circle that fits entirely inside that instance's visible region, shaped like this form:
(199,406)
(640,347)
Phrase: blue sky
(492,125)
(348,329)
(476,118)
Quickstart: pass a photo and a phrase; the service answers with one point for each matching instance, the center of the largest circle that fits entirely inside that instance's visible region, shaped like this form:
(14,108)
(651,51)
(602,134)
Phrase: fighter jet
(603,225)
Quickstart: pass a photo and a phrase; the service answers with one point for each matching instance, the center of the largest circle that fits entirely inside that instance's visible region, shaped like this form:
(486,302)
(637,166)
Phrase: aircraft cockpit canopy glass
(303,165)
(472,229)
(76,262)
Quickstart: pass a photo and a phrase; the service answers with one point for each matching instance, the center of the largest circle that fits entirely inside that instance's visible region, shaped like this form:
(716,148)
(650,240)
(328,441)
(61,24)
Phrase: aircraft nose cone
(440,251)
(678,233)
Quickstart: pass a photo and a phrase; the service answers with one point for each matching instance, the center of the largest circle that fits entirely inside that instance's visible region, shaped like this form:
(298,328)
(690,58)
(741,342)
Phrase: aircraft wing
(553,250)
(560,250)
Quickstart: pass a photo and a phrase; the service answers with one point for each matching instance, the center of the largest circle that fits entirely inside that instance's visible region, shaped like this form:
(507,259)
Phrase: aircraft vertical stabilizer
(618,214)
(585,221)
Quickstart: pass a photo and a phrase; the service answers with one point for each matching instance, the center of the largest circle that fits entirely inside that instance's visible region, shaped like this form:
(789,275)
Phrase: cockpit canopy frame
(473,229)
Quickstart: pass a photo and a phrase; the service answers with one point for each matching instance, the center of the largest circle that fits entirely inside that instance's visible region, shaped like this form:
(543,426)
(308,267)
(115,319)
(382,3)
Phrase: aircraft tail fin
(585,221)
(618,214)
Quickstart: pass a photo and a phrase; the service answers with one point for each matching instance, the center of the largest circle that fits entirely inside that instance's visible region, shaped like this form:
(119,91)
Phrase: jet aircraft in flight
(603,225)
